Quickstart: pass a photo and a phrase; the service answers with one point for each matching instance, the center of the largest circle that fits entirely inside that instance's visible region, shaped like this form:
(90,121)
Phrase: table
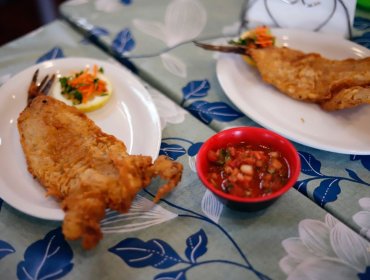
(175,70)
(295,238)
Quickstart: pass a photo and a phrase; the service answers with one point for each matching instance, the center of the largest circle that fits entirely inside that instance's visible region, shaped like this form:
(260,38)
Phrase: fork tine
(33,85)
(34,77)
(32,88)
(43,82)
(35,90)
(45,89)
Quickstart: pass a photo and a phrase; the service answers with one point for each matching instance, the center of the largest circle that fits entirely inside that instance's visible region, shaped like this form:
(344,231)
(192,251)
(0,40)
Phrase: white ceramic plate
(130,115)
(345,131)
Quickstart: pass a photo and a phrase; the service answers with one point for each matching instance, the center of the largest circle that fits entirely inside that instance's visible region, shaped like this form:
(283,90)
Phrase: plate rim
(54,214)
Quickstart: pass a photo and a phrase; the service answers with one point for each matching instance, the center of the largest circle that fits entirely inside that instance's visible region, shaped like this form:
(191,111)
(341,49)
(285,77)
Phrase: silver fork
(36,89)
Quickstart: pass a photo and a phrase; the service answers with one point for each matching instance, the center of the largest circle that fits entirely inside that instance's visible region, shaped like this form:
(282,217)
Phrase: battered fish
(86,169)
(335,84)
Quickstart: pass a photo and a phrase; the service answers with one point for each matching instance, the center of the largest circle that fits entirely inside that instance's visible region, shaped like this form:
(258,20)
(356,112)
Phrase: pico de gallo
(246,170)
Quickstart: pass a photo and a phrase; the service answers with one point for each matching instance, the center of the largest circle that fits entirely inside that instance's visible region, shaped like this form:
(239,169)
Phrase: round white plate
(130,115)
(345,131)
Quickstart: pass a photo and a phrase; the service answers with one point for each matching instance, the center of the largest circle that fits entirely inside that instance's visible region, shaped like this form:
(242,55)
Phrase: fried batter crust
(86,169)
(311,77)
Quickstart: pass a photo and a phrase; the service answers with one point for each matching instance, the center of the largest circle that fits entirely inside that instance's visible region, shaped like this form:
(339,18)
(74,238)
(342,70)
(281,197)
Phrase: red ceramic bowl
(254,136)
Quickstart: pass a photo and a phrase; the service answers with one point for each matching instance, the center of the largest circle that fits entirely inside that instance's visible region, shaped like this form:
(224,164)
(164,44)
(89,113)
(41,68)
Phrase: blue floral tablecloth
(190,235)
(158,46)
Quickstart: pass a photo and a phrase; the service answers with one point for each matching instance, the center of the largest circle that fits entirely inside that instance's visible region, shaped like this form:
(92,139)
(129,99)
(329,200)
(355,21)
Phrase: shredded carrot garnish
(83,86)
(257,38)
(260,37)
(263,36)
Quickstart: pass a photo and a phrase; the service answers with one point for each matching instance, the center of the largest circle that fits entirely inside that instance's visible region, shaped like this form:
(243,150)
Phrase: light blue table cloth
(158,47)
(189,234)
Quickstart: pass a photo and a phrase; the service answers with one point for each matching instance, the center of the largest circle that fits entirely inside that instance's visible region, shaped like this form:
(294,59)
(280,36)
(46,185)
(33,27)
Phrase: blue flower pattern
(204,110)
(363,40)
(195,89)
(48,258)
(54,53)
(174,150)
(362,24)
(365,275)
(328,189)
(5,249)
(160,255)
(99,31)
(137,253)
(123,42)
(365,160)
(208,111)
(94,34)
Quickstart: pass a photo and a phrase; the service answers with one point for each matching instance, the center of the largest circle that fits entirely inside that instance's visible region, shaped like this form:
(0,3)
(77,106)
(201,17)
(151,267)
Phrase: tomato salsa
(247,170)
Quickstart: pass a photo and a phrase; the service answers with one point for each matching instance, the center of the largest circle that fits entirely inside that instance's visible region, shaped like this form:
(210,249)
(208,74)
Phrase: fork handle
(226,49)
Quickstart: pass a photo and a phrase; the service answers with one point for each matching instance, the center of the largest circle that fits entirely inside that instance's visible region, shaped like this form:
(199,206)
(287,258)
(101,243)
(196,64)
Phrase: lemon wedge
(96,103)
(248,60)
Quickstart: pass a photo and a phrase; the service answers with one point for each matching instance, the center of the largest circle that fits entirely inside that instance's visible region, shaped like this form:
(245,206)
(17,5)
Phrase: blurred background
(18,17)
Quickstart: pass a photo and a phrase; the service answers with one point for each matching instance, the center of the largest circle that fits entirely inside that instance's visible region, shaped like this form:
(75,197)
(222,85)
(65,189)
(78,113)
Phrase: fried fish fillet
(86,169)
(335,84)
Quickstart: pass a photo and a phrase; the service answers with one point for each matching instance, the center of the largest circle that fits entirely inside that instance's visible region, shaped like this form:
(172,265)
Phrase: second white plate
(345,131)
(130,115)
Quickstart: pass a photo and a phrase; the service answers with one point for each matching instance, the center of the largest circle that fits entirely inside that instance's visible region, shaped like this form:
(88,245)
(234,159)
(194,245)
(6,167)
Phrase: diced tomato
(237,191)
(246,170)
(212,156)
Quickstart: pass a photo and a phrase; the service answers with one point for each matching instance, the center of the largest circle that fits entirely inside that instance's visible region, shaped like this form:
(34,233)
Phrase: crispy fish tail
(348,98)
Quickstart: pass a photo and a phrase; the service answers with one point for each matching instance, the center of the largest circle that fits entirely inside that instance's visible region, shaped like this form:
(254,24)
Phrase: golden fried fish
(86,169)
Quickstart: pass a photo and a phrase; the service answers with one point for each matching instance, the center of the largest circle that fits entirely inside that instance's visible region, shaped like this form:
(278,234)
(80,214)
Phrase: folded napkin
(331,16)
